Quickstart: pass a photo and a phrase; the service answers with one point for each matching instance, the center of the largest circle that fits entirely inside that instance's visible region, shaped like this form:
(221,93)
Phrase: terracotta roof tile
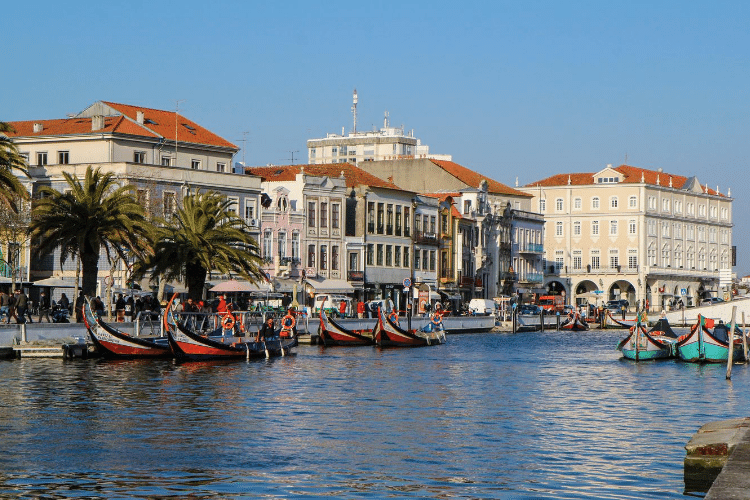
(163,123)
(77,126)
(631,175)
(471,178)
(354,176)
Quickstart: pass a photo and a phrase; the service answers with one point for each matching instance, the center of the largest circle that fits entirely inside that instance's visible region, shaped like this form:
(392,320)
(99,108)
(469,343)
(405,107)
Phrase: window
(268,244)
(323,214)
(417,261)
(424,260)
(41,159)
(195,164)
(652,202)
(371,217)
(389,220)
(651,227)
(633,202)
(407,219)
(234,204)
(665,254)
(310,255)
(335,215)
(594,228)
(432,260)
(559,259)
(714,212)
(701,210)
(397,256)
(63,157)
(249,210)
(380,254)
(724,213)
(558,229)
(577,204)
(633,259)
(139,157)
(577,260)
(577,228)
(614,259)
(281,244)
(665,205)
(613,202)
(594,259)
(406,256)
(678,258)
(559,205)
(651,254)
(691,208)
(310,214)
(334,258)
(170,204)
(613,228)
(381,218)
(677,207)
(389,255)
(595,203)
(166,161)
(542,205)
(398,220)
(334,151)
(370,254)
(665,229)
(432,224)
(312,152)
(142,197)
(467,206)
(678,231)
(295,246)
(631,226)
(221,167)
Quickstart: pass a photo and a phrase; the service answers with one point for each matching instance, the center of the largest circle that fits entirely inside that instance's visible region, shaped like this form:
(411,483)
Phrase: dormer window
(282,203)
(607,180)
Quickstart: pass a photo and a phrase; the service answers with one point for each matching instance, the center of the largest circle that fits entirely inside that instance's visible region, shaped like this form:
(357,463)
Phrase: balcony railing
(446,274)
(530,248)
(425,238)
(531,278)
(355,276)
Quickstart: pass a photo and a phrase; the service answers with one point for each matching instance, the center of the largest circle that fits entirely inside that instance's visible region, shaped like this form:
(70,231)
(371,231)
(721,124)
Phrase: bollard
(541,320)
(23,333)
(558,321)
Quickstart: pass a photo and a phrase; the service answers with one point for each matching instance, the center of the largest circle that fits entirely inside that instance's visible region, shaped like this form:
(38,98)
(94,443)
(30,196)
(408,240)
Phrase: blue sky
(510,89)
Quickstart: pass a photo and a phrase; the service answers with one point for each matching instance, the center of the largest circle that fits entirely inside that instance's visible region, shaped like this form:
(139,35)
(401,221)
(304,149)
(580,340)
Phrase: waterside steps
(718,460)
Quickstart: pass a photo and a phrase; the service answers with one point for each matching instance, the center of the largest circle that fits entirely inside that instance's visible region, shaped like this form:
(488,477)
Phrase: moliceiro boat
(334,334)
(574,322)
(708,342)
(113,343)
(187,345)
(388,334)
(641,345)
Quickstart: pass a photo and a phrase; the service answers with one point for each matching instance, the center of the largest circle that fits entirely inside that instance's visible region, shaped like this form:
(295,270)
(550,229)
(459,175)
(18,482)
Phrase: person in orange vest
(342,308)
(222,307)
(360,309)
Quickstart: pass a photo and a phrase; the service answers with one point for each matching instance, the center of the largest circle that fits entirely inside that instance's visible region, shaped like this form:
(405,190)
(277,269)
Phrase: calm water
(533,415)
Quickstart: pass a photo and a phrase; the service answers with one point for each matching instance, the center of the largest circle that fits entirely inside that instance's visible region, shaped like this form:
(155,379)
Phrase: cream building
(635,234)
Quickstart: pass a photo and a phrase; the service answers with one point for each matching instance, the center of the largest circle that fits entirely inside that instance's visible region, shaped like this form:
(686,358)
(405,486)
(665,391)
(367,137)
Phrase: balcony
(446,275)
(531,278)
(355,276)
(467,281)
(424,238)
(535,248)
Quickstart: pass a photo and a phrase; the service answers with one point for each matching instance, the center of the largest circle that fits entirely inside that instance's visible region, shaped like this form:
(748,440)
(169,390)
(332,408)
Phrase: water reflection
(552,415)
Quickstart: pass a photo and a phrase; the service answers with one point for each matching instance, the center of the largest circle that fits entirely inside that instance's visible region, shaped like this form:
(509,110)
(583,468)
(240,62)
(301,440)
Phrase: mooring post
(730,345)
(23,333)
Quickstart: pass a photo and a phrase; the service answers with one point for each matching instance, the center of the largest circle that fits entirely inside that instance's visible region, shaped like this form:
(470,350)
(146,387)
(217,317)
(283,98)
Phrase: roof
(354,176)
(631,175)
(122,119)
(473,179)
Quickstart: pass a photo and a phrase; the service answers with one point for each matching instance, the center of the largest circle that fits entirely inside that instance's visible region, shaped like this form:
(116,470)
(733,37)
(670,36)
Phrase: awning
(57,282)
(237,286)
(331,286)
(450,296)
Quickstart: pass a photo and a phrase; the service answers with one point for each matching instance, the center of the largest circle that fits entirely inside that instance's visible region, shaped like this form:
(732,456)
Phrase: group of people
(19,306)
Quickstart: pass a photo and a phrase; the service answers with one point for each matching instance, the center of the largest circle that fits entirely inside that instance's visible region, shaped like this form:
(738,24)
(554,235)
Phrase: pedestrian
(64,303)
(79,307)
(120,308)
(4,306)
(22,302)
(44,308)
(342,309)
(360,309)
(129,308)
(221,308)
(99,306)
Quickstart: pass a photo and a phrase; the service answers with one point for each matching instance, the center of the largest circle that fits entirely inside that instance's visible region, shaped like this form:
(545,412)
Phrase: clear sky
(520,89)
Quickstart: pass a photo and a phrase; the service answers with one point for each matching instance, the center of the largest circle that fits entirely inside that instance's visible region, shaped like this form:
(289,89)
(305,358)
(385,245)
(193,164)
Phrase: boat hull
(334,334)
(641,345)
(701,346)
(388,334)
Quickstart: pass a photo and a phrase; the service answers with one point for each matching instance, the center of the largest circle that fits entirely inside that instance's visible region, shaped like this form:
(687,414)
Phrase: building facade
(634,234)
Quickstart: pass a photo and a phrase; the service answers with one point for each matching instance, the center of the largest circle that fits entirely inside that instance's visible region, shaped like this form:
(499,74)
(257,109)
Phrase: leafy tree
(203,236)
(10,159)
(96,214)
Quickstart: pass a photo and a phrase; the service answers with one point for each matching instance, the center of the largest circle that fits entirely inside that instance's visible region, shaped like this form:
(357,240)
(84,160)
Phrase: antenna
(292,152)
(354,110)
(243,141)
(176,113)
(385,120)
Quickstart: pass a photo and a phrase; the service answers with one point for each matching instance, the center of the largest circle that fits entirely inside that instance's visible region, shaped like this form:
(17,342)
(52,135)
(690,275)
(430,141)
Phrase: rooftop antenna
(292,152)
(385,120)
(176,113)
(354,110)
(243,141)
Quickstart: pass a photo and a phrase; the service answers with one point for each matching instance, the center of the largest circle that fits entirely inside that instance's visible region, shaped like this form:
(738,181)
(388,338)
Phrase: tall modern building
(636,234)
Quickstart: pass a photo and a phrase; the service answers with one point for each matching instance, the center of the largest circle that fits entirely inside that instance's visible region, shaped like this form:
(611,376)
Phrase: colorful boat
(574,322)
(188,345)
(642,345)
(113,343)
(388,334)
(708,342)
(620,322)
(334,334)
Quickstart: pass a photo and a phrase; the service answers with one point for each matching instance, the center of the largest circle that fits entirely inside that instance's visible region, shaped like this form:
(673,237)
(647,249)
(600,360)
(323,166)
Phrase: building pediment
(608,176)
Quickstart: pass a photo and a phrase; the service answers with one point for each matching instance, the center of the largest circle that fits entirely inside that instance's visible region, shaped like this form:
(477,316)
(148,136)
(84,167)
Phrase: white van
(482,307)
(332,304)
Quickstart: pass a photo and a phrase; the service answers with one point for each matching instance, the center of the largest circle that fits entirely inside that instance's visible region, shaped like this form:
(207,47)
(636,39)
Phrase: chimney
(97,122)
(139,117)
(38,127)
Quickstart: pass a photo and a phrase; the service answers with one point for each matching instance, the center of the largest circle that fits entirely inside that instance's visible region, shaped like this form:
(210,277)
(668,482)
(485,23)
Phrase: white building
(634,234)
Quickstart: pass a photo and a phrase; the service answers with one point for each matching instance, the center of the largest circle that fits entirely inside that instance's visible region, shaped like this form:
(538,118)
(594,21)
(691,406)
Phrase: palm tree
(204,235)
(95,214)
(11,188)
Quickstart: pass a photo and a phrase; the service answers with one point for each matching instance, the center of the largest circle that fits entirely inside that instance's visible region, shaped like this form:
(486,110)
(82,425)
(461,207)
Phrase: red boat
(388,334)
(113,343)
(334,334)
(188,345)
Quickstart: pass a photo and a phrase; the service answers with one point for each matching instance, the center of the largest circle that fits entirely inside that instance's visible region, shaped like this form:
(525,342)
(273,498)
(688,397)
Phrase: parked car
(482,307)
(711,301)
(617,305)
(528,309)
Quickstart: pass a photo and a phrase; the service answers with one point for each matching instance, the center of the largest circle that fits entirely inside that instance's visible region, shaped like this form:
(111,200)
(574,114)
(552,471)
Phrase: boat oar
(730,347)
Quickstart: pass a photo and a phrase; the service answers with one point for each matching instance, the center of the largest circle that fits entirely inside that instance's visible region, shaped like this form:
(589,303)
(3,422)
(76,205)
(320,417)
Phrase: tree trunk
(90,269)
(195,279)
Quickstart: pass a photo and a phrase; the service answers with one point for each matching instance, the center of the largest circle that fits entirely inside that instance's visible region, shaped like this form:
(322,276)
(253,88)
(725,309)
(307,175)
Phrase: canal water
(524,416)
